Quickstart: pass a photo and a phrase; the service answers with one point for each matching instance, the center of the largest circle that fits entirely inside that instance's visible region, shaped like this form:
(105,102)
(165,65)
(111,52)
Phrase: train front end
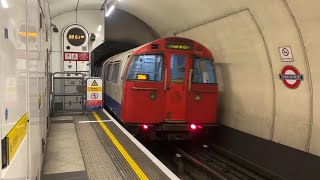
(170,90)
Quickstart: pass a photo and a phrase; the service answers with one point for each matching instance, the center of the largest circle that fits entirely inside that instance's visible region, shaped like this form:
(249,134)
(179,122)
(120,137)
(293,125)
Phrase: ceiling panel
(90,4)
(61,6)
(58,7)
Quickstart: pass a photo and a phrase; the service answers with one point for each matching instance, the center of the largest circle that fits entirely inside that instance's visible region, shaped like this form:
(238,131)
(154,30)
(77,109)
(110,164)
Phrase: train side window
(115,72)
(203,71)
(108,72)
(145,68)
(104,71)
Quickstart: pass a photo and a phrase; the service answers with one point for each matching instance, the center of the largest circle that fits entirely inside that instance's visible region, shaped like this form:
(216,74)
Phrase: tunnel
(265,56)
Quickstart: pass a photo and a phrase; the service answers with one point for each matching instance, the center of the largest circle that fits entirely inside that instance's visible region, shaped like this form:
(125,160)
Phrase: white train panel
(13,64)
(18,167)
(116,93)
(23,85)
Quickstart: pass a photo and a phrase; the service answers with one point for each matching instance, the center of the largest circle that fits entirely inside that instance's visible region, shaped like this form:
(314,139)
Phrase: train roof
(162,40)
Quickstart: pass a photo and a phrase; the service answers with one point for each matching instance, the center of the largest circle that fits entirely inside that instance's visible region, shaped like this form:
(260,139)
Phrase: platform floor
(63,159)
(95,147)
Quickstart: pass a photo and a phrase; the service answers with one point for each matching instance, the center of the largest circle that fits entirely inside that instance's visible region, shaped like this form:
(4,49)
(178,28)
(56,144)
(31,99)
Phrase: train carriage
(166,88)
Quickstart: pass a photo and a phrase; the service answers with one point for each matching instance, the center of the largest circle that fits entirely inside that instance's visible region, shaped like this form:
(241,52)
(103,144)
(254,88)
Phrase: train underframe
(169,131)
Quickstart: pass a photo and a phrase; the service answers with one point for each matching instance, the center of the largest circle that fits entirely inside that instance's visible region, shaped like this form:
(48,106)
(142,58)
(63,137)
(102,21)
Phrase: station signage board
(75,47)
(94,94)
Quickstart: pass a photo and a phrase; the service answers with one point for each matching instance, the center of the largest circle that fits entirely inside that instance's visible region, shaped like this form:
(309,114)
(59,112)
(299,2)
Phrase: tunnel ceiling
(165,17)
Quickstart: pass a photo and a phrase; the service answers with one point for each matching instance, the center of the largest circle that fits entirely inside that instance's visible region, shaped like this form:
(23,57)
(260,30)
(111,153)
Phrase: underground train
(164,89)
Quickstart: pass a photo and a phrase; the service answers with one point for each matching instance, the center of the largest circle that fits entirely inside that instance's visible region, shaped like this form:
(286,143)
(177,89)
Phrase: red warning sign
(94,103)
(291,77)
(94,95)
(76,56)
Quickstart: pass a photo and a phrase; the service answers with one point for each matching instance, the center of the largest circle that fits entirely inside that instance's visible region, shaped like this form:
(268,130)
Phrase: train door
(176,87)
(143,95)
(202,92)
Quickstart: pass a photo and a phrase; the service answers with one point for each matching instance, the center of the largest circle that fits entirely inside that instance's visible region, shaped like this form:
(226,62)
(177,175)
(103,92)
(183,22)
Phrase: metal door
(177,86)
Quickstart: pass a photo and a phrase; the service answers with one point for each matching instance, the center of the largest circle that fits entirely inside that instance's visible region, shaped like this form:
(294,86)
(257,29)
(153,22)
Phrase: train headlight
(197,97)
(153,96)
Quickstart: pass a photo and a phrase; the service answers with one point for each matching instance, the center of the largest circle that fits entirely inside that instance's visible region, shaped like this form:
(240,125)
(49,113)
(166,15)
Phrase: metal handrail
(54,94)
(145,88)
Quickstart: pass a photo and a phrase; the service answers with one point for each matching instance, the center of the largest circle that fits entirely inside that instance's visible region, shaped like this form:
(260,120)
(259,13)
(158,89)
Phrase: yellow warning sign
(94,83)
(16,135)
(91,89)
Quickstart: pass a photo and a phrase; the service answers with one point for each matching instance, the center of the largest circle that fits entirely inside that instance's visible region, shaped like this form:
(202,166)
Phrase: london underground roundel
(291,77)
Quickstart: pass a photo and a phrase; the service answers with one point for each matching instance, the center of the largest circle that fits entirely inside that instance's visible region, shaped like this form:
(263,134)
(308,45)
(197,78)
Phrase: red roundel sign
(291,77)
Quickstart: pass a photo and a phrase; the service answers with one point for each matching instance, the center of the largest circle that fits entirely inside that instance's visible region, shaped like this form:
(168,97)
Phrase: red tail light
(145,127)
(193,127)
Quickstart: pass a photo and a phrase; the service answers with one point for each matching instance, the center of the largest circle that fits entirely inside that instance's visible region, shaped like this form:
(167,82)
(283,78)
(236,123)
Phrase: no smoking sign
(286,54)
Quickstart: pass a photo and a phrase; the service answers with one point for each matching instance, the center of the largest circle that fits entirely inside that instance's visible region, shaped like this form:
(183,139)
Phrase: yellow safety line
(124,153)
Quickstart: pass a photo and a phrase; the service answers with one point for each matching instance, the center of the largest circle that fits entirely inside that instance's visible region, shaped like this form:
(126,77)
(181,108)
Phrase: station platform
(95,146)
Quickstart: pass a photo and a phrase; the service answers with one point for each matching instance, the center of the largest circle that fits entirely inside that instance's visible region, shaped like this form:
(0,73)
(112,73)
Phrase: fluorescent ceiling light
(109,11)
(4,3)
(99,28)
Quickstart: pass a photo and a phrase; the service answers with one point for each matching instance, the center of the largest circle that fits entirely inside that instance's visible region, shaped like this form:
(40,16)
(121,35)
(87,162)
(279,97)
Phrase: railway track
(215,163)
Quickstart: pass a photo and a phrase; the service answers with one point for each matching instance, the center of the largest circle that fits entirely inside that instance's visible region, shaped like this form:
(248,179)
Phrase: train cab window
(145,68)
(115,72)
(203,71)
(177,68)
(108,73)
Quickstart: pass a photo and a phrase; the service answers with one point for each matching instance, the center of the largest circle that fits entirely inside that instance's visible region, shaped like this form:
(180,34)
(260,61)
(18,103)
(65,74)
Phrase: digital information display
(179,46)
(76,36)
(143,77)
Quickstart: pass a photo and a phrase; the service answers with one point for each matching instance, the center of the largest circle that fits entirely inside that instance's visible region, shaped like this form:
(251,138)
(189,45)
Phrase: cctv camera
(92,37)
(55,29)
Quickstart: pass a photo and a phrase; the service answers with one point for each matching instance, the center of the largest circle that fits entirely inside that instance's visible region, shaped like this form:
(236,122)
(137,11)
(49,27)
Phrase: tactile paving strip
(144,162)
(97,162)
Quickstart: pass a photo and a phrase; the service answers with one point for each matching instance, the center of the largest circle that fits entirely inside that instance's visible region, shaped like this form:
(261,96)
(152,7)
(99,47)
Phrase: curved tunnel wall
(246,48)
(244,37)
(308,21)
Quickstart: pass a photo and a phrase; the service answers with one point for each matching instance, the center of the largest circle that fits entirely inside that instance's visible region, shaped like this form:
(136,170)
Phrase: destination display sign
(179,46)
